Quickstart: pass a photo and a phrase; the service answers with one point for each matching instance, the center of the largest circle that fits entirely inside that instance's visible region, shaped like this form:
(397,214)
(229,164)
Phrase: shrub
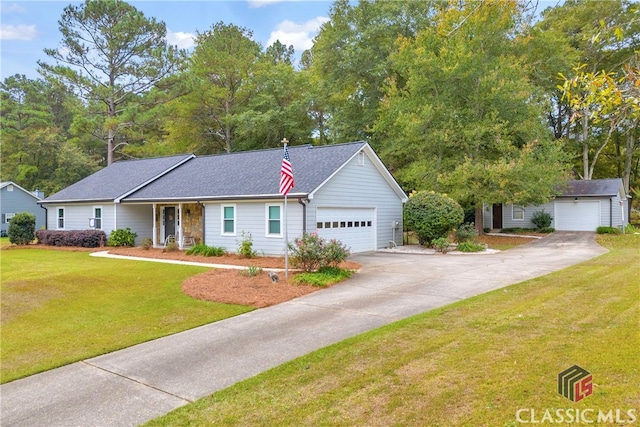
(307,251)
(22,228)
(245,247)
(466,233)
(432,216)
(78,238)
(147,243)
(204,250)
(334,253)
(171,247)
(541,219)
(251,271)
(608,230)
(441,244)
(122,237)
(323,277)
(470,247)
(311,252)
(547,230)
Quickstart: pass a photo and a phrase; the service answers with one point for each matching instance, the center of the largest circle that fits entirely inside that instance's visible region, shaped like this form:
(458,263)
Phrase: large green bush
(22,228)
(431,216)
(122,237)
(541,219)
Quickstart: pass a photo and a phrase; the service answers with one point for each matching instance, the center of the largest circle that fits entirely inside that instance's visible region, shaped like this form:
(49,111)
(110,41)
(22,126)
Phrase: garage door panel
(581,215)
(352,226)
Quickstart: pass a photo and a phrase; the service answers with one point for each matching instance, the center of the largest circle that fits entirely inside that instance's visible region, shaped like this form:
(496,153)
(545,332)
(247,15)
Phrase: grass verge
(472,363)
(60,307)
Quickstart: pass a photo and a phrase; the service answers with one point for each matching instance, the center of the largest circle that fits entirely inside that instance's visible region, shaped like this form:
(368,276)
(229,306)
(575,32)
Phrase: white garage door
(581,215)
(352,226)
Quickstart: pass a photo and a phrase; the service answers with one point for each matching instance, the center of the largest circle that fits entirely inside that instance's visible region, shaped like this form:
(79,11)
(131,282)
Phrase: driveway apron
(134,385)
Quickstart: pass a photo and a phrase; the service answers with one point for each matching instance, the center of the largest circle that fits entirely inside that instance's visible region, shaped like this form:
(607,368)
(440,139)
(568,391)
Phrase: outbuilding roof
(594,187)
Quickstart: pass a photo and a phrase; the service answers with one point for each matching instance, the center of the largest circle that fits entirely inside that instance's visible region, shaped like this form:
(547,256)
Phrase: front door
(169,222)
(497,216)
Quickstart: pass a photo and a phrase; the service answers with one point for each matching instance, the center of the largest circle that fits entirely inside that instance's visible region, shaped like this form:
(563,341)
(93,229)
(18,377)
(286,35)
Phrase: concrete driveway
(131,386)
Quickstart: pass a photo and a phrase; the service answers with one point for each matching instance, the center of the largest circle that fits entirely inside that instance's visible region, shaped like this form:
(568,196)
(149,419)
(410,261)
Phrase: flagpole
(286,241)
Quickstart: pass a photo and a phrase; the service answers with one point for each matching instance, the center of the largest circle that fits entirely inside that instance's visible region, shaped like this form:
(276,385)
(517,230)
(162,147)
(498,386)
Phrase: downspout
(46,217)
(303,201)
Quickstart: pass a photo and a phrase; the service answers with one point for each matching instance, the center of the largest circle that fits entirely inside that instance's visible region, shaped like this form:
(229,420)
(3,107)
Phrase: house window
(274,228)
(97,217)
(10,187)
(361,158)
(517,213)
(60,212)
(229,220)
(7,217)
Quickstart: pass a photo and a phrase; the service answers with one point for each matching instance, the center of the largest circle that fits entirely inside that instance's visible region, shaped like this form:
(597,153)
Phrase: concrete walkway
(131,386)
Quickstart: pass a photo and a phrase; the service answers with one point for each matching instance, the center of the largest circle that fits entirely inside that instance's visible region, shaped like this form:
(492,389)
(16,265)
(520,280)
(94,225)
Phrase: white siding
(509,222)
(361,186)
(251,218)
(76,217)
(610,212)
(139,218)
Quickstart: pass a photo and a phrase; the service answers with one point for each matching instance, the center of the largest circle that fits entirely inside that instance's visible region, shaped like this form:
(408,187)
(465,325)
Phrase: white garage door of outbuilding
(352,226)
(580,215)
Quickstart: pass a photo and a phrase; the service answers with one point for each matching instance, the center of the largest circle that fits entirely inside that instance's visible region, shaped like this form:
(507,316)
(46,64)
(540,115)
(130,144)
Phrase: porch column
(155,227)
(179,236)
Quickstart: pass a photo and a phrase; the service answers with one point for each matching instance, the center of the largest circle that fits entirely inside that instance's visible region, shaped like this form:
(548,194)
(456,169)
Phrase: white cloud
(11,8)
(254,4)
(299,35)
(180,39)
(18,32)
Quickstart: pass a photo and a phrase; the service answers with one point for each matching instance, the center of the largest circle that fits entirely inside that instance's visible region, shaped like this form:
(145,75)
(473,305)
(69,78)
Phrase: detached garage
(584,205)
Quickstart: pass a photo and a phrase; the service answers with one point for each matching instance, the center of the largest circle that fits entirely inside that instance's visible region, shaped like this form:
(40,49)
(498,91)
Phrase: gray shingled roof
(592,187)
(248,174)
(117,179)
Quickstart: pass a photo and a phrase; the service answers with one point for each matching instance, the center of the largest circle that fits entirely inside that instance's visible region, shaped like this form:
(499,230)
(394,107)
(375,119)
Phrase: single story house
(583,205)
(341,192)
(15,199)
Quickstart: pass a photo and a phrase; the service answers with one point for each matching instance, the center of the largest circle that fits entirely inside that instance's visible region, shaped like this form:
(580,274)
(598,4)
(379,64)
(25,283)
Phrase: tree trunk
(479,219)
(585,146)
(628,156)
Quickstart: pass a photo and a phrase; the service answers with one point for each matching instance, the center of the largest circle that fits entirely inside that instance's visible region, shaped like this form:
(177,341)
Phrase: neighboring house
(583,205)
(341,191)
(15,199)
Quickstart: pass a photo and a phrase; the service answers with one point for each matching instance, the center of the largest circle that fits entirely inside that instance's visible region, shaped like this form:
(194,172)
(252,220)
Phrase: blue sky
(28,27)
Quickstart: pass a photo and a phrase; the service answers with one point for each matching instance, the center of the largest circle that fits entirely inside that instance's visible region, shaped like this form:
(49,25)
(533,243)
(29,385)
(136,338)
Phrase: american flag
(286,173)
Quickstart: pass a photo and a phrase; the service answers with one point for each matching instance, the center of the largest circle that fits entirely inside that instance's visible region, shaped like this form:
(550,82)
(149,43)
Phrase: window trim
(96,219)
(58,218)
(267,219)
(223,219)
(514,209)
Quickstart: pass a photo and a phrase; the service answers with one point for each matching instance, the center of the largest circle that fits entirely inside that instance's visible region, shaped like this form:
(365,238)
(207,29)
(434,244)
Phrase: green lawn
(60,307)
(473,363)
